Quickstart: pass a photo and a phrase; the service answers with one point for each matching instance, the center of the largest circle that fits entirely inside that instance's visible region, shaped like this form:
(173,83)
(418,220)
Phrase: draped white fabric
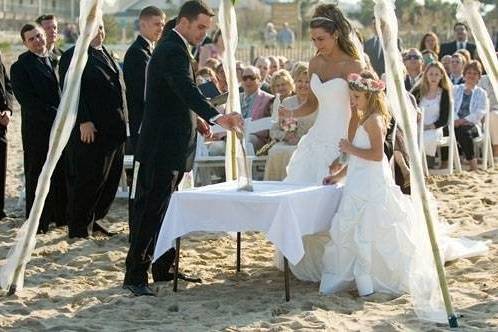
(424,286)
(12,272)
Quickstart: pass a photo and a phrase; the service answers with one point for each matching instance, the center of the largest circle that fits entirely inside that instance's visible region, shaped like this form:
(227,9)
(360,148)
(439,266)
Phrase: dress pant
(465,137)
(3,168)
(93,175)
(54,209)
(155,186)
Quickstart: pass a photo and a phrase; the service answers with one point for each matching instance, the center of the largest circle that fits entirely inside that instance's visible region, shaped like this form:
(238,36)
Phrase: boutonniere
(114,56)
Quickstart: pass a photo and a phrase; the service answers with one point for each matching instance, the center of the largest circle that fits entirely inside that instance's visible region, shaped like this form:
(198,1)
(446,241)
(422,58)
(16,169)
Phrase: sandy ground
(76,285)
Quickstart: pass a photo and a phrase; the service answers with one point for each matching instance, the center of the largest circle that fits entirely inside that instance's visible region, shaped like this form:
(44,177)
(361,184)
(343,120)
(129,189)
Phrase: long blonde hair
(376,100)
(444,84)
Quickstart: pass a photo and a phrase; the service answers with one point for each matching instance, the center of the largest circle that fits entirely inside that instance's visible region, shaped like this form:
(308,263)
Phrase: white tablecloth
(285,212)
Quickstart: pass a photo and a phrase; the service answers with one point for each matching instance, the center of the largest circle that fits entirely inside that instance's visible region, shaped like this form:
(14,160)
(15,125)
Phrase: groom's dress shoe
(139,290)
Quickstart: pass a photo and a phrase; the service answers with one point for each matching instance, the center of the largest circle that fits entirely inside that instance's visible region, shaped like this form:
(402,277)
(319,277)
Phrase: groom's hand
(231,121)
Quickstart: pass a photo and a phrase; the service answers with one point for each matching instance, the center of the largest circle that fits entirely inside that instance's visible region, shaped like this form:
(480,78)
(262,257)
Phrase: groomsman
(51,28)
(174,107)
(151,23)
(96,147)
(35,86)
(6,97)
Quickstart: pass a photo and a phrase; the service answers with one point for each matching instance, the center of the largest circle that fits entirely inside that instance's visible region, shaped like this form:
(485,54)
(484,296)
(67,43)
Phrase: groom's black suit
(165,149)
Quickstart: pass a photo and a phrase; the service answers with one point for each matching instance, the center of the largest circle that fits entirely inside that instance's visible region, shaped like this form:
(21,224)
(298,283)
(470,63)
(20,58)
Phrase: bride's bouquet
(289,125)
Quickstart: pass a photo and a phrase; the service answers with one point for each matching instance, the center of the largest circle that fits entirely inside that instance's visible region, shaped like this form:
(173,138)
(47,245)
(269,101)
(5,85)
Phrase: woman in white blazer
(470,106)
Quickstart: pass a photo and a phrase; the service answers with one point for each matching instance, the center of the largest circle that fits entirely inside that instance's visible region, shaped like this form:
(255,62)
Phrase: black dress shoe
(97,227)
(139,290)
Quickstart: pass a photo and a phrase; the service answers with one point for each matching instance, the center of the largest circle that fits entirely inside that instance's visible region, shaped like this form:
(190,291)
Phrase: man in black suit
(35,86)
(151,24)
(96,147)
(174,108)
(460,42)
(51,28)
(6,98)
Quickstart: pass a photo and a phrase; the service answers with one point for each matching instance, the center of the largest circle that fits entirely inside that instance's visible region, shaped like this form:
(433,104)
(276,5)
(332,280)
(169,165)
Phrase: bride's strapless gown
(310,162)
(319,148)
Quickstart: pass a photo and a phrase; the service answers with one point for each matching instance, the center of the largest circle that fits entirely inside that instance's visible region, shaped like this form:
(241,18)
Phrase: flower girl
(371,236)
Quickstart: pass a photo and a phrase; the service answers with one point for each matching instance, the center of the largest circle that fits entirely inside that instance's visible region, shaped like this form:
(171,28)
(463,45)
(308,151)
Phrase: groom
(174,109)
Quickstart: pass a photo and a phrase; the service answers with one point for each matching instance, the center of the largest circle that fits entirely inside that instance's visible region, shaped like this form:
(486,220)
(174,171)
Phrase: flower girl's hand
(345,146)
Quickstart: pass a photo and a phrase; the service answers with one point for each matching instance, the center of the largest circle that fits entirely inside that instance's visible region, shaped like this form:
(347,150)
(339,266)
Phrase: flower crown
(365,84)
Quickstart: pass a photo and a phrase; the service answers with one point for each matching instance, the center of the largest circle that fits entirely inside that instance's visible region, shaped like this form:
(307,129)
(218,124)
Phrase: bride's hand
(345,146)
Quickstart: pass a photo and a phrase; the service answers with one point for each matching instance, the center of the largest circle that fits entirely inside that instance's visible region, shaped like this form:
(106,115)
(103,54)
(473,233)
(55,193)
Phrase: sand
(76,285)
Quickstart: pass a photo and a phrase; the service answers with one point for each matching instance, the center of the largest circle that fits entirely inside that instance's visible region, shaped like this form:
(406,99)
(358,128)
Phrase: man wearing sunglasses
(413,64)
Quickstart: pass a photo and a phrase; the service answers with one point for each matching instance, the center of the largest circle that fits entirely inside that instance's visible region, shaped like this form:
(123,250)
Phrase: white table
(285,212)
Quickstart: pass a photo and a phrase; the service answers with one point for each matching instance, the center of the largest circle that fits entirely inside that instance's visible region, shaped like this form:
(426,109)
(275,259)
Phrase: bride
(336,58)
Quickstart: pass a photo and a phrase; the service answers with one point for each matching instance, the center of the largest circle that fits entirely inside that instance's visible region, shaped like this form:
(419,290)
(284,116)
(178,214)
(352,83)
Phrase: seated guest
(212,50)
(466,54)
(255,103)
(284,133)
(274,65)
(263,64)
(211,63)
(35,85)
(96,147)
(221,78)
(433,98)
(430,41)
(446,61)
(485,83)
(471,105)
(456,68)
(413,64)
(216,146)
(282,84)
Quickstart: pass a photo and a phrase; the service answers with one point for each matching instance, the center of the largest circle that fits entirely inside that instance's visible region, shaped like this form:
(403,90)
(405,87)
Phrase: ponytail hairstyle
(331,19)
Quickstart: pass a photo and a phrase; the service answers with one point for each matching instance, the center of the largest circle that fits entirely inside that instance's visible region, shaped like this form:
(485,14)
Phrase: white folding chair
(451,143)
(483,146)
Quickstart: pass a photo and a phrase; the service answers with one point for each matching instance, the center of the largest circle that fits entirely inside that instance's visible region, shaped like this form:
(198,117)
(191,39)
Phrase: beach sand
(75,285)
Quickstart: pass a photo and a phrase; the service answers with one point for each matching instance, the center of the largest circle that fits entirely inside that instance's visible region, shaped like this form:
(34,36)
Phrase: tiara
(365,84)
(321,18)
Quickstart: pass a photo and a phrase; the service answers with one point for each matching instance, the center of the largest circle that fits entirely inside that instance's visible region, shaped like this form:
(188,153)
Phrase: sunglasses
(413,57)
(249,77)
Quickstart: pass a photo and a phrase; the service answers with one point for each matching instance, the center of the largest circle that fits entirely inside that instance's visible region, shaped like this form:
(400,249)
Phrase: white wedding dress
(319,147)
(310,162)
